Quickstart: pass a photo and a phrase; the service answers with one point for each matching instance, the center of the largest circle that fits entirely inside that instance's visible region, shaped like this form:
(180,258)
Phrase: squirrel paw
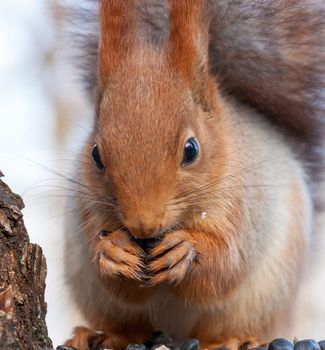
(234,344)
(86,339)
(171,259)
(118,256)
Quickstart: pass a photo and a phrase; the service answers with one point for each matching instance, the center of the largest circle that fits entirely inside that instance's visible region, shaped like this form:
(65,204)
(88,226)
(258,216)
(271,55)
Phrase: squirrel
(194,200)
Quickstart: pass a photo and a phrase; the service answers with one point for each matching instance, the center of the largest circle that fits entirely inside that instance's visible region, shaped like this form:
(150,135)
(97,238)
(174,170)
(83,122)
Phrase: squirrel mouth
(147,243)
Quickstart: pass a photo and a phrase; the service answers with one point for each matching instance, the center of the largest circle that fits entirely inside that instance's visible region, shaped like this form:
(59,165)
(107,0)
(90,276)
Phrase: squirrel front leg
(118,256)
(241,278)
(202,268)
(199,265)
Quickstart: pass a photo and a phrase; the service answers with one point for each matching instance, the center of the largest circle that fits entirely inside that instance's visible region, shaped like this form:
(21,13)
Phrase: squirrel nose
(142,230)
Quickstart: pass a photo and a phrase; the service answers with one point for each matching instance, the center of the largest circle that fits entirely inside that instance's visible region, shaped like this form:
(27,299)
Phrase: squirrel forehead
(155,134)
(144,99)
(139,84)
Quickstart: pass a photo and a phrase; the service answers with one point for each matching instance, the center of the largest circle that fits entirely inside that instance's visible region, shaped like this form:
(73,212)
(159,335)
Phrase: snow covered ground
(43,123)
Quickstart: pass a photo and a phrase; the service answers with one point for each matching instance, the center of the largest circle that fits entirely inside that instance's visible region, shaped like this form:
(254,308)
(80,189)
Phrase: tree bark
(22,280)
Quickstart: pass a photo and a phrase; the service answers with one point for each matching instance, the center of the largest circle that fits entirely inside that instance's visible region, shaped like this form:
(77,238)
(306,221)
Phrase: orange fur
(112,339)
(150,102)
(185,37)
(116,24)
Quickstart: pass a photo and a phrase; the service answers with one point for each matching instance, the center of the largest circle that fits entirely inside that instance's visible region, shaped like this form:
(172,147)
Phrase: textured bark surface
(22,280)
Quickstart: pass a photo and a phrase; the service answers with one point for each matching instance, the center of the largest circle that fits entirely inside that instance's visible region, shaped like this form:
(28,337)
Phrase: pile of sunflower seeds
(162,341)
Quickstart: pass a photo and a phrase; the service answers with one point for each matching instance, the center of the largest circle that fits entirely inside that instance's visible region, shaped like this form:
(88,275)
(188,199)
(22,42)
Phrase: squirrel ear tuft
(189,36)
(189,43)
(116,20)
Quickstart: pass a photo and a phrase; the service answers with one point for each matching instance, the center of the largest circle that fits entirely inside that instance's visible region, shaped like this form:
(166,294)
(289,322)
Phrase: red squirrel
(193,202)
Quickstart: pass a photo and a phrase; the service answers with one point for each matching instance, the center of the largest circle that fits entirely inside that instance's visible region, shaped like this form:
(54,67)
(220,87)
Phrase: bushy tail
(271,54)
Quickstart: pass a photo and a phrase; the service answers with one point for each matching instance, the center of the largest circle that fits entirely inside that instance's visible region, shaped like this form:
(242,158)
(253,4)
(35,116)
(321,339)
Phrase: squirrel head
(158,133)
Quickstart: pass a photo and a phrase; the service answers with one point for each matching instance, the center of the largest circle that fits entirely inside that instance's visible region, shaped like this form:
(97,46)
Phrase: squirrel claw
(117,256)
(170,260)
(85,339)
(234,344)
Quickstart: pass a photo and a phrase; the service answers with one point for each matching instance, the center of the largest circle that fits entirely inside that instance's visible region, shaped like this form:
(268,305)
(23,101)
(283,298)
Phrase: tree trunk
(22,280)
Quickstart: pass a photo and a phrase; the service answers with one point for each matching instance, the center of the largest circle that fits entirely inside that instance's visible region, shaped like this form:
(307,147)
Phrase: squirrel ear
(189,43)
(116,18)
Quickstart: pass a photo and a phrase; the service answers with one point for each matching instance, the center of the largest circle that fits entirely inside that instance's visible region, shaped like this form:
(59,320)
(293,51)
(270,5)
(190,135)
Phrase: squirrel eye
(191,151)
(96,158)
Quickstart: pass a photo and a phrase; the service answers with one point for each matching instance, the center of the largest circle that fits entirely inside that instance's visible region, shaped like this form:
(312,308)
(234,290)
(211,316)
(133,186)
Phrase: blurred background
(44,118)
